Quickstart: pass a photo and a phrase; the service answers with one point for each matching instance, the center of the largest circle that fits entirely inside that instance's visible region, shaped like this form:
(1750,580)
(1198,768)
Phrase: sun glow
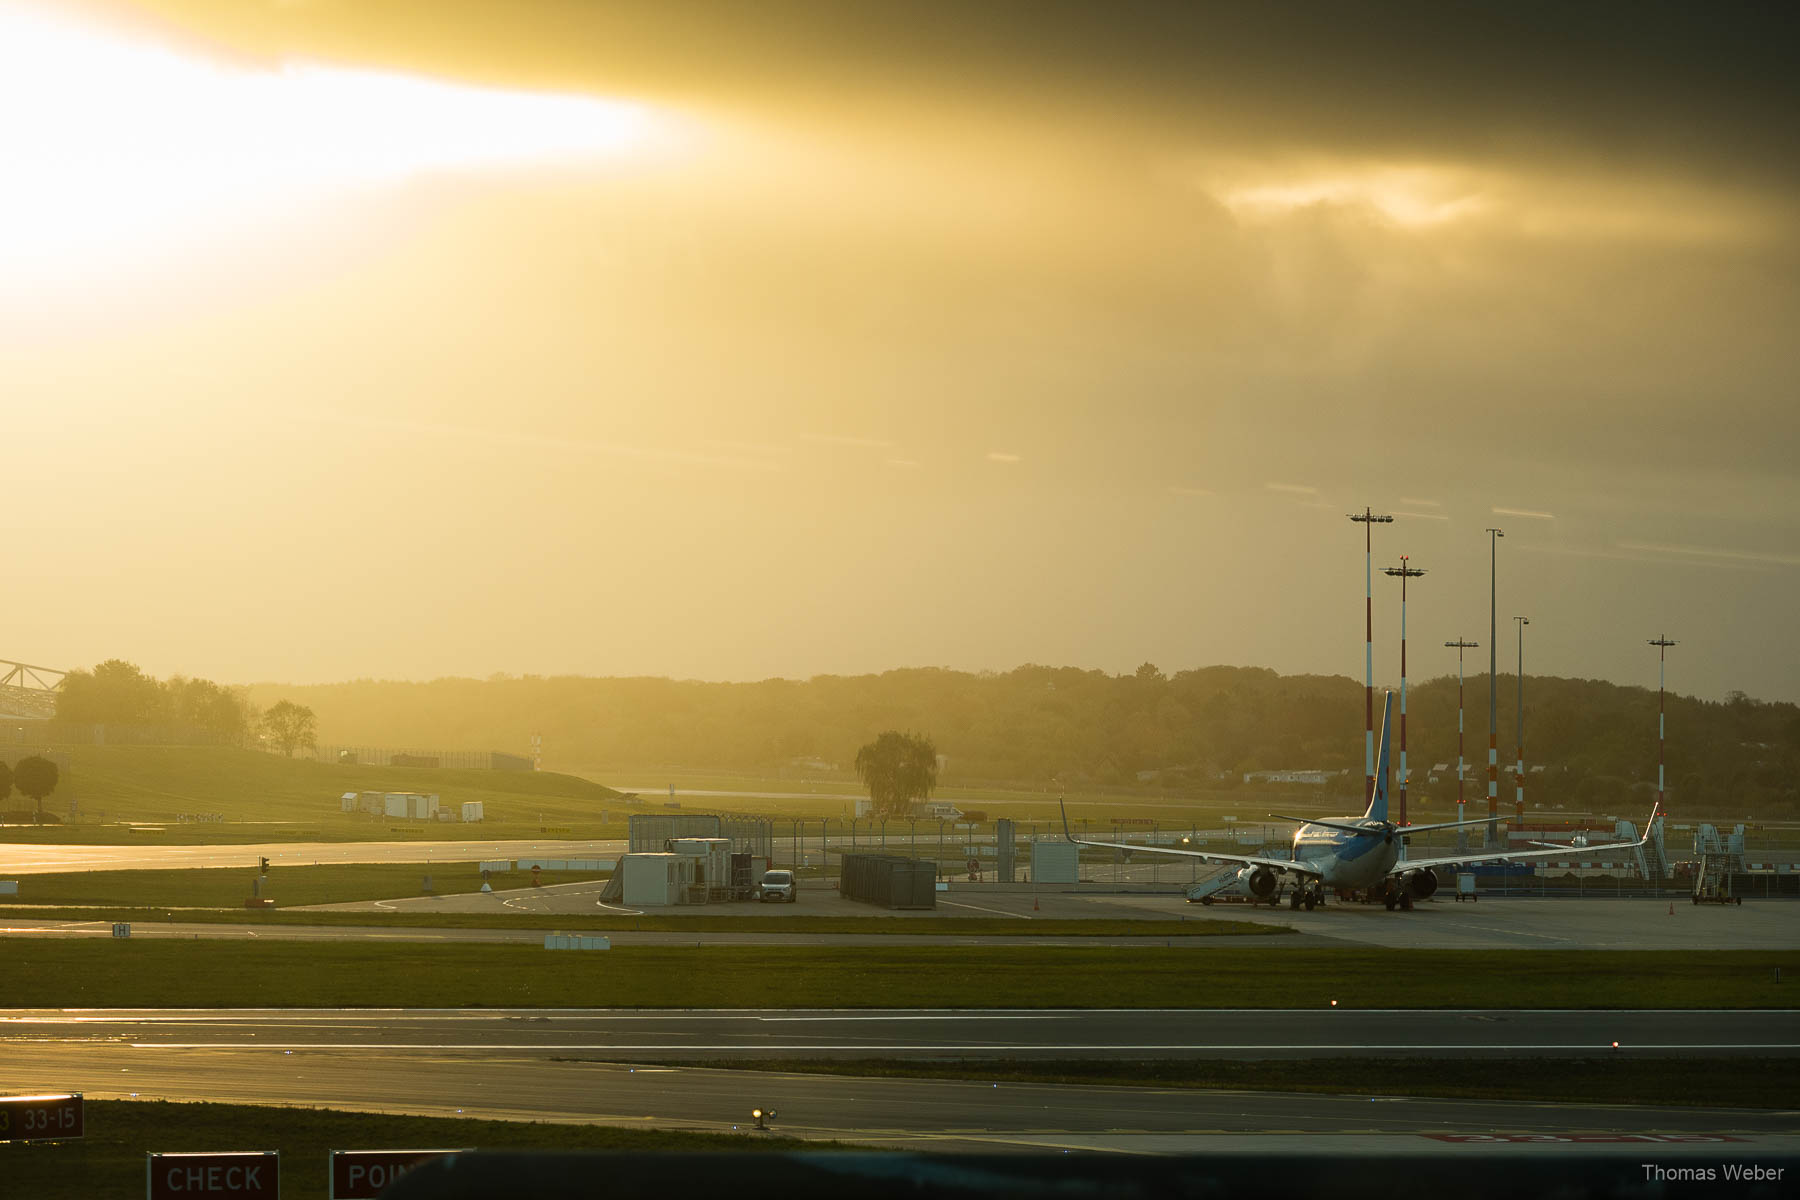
(117,147)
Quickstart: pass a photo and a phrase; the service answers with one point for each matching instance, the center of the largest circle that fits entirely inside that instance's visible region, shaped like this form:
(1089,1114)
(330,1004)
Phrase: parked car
(778,886)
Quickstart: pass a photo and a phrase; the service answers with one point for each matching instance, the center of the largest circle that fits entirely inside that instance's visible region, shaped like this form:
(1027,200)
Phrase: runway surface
(902,1113)
(646,1034)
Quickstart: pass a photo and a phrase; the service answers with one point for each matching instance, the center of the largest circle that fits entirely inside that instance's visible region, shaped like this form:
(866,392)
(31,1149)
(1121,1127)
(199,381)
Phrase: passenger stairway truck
(1219,888)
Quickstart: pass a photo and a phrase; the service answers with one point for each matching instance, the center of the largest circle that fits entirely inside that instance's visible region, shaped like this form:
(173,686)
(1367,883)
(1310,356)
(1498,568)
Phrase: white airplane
(1354,854)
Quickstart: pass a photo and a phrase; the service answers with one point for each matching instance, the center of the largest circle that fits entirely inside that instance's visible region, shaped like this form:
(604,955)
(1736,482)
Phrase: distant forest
(1194,731)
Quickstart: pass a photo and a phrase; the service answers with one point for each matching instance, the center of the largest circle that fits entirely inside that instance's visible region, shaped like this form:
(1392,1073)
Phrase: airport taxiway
(919,1114)
(1132,1034)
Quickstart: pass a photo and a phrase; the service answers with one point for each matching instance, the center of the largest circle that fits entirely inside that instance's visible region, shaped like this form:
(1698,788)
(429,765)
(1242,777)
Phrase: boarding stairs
(1211,886)
(1720,857)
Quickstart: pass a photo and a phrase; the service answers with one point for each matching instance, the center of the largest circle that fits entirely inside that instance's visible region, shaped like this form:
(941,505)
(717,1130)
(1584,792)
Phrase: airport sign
(362,1174)
(48,1118)
(223,1175)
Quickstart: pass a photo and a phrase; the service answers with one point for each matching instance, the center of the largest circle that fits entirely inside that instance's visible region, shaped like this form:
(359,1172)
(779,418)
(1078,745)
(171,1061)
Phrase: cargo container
(712,865)
(889,880)
(1055,862)
(471,810)
(656,880)
(395,804)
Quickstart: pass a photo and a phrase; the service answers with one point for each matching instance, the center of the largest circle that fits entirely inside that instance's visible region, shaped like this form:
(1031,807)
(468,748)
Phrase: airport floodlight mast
(1368,518)
(1519,728)
(1493,826)
(1403,572)
(1459,645)
(1662,645)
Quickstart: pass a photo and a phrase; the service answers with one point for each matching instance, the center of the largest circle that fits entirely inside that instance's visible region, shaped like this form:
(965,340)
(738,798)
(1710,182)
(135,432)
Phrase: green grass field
(109,1160)
(1688,1082)
(267,798)
(51,973)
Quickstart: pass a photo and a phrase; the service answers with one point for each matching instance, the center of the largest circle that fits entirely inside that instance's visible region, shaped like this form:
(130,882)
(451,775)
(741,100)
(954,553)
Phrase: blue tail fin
(1378,798)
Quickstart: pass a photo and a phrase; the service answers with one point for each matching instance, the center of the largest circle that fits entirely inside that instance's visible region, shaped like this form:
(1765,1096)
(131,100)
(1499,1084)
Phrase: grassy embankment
(44,973)
(109,1159)
(266,798)
(1691,1082)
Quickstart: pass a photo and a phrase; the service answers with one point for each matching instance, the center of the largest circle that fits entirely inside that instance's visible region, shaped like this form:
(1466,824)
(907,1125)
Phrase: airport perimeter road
(17,858)
(916,1114)
(651,1034)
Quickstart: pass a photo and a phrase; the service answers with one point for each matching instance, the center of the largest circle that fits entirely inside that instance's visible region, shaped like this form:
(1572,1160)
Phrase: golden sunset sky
(347,338)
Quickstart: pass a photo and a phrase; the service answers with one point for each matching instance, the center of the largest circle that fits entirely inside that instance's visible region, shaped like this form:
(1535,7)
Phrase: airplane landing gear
(1391,901)
(1296,898)
(1405,901)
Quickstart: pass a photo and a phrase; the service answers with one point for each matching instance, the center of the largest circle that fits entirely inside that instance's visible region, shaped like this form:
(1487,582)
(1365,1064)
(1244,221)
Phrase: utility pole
(1519,727)
(1403,573)
(1662,645)
(1462,835)
(1493,829)
(1368,519)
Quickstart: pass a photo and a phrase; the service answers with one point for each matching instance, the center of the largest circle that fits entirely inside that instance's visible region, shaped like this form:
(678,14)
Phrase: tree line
(117,693)
(1039,726)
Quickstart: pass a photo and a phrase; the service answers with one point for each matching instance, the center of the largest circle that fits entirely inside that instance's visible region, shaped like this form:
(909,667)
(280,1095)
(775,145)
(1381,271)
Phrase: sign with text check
(225,1175)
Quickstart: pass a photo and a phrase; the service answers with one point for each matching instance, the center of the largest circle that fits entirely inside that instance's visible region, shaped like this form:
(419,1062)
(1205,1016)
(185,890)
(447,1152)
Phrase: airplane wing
(1303,870)
(1414,864)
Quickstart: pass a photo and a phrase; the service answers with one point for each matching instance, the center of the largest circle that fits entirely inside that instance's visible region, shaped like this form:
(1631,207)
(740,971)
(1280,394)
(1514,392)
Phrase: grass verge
(229,887)
(109,1160)
(1680,1082)
(48,973)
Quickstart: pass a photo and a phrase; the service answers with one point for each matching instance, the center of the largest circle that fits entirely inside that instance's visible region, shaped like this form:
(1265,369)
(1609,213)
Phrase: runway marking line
(1010,1047)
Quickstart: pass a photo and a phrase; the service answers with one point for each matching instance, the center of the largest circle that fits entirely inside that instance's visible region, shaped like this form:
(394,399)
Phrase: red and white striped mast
(1368,518)
(1403,572)
(1662,645)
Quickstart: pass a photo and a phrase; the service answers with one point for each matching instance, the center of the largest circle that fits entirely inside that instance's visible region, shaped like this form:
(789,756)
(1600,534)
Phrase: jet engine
(1419,884)
(1258,881)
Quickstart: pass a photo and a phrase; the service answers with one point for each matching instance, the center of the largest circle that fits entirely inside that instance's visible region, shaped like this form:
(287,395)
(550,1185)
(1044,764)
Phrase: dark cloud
(1627,81)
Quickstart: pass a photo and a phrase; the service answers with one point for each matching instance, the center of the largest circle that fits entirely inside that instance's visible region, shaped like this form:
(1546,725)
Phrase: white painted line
(1011,1047)
(996,911)
(778,1020)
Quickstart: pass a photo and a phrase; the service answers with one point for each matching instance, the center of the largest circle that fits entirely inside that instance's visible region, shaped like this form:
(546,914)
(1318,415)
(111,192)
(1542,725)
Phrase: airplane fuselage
(1347,861)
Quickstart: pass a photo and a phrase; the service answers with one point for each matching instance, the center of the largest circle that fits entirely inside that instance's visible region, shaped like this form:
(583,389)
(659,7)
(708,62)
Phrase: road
(649,1034)
(895,1113)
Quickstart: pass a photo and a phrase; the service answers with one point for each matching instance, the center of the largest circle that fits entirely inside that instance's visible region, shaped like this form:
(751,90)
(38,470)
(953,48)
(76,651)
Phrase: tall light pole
(1493,829)
(1662,645)
(1462,835)
(1403,573)
(1368,518)
(1519,727)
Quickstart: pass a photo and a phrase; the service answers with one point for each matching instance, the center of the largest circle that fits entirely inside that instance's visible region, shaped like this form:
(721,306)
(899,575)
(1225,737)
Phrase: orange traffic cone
(1671,908)
(1034,904)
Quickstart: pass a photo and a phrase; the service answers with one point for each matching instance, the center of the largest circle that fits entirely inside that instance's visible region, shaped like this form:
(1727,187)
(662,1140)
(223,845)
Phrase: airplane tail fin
(1378,796)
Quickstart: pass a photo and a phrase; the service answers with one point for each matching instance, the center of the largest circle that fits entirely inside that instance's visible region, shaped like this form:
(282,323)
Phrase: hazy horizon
(440,340)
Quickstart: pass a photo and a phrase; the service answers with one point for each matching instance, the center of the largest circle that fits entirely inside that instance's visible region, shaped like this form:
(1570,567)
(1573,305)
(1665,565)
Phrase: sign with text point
(362,1174)
(49,1118)
(223,1175)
